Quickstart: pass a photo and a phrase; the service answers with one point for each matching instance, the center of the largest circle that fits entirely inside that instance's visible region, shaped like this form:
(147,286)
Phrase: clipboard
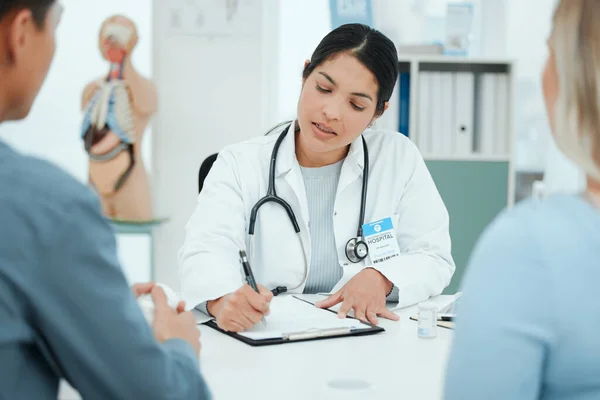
(306,335)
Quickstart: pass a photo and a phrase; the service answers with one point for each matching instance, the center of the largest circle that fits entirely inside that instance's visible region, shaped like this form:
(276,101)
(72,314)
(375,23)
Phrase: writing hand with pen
(246,307)
(242,309)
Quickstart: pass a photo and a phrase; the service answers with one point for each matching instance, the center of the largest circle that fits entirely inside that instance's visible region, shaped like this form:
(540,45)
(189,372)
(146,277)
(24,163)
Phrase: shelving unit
(477,183)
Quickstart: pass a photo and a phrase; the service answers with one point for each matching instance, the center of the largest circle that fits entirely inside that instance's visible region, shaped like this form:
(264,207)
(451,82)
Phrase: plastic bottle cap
(428,305)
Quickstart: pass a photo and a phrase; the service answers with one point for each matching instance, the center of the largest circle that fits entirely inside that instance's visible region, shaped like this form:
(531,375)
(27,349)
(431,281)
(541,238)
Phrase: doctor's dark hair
(371,47)
(39,8)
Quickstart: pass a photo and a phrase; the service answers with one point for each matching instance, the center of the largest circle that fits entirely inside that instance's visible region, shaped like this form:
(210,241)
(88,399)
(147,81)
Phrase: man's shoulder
(36,187)
(42,208)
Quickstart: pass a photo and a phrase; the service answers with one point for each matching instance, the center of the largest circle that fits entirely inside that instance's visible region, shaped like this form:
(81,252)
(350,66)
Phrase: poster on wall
(214,18)
(459,23)
(350,11)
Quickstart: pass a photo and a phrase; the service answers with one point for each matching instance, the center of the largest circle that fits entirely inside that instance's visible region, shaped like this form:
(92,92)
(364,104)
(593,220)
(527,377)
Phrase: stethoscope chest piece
(356,250)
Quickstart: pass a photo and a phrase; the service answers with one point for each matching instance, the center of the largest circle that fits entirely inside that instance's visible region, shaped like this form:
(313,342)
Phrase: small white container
(427,326)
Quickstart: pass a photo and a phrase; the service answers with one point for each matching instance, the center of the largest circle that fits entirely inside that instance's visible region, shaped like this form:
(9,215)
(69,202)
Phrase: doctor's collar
(287,153)
(356,151)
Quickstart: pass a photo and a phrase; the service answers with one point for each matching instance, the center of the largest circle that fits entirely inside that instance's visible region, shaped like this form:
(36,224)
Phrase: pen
(446,317)
(249,275)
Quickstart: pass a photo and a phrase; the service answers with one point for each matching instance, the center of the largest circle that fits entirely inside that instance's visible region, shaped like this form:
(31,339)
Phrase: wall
(303,25)
(529,25)
(423,21)
(212,94)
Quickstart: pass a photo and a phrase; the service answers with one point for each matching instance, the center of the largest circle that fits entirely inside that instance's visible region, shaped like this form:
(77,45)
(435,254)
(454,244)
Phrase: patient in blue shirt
(529,321)
(529,318)
(66,311)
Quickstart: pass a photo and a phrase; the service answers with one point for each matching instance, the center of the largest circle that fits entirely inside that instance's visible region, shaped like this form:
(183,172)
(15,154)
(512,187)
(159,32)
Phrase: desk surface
(394,364)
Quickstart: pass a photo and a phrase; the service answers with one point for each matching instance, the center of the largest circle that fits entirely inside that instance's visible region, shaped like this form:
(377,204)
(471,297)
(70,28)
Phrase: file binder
(464,103)
(424,112)
(486,127)
(501,128)
(404,106)
(446,114)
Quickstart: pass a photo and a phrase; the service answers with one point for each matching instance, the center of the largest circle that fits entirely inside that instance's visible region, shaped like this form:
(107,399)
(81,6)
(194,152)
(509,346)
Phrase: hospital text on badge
(381,239)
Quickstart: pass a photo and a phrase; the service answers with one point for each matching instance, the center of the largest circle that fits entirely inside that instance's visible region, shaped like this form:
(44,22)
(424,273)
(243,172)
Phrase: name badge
(381,239)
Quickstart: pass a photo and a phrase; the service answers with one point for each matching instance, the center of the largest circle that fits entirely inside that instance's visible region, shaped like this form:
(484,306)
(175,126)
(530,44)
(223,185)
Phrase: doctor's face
(337,103)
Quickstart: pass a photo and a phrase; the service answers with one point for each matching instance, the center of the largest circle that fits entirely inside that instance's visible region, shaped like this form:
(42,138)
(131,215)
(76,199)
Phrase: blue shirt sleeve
(504,326)
(88,318)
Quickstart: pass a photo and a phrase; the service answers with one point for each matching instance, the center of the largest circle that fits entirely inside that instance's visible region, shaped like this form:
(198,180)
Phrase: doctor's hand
(173,324)
(241,310)
(365,293)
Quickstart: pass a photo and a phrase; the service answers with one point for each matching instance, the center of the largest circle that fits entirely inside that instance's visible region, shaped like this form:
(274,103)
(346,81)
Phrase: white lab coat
(400,187)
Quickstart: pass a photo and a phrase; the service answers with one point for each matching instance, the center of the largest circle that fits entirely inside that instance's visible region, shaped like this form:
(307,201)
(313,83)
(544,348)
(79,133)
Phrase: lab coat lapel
(347,201)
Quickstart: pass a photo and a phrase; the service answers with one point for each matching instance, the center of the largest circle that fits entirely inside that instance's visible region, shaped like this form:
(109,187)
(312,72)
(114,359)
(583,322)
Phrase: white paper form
(290,315)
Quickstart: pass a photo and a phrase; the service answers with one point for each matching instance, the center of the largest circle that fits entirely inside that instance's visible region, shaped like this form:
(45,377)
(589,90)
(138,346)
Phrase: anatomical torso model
(117,109)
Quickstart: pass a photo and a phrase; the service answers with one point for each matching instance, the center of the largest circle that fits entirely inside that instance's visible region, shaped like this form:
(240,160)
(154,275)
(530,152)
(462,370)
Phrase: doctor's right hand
(241,310)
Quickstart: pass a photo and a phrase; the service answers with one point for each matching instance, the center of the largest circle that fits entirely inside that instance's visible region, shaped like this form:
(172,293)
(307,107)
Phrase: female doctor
(349,210)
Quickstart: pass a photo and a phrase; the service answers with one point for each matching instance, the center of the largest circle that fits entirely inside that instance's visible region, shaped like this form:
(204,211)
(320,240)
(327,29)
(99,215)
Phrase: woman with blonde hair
(529,320)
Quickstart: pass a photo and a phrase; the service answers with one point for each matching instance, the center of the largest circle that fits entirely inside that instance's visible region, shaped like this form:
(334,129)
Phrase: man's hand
(241,310)
(170,324)
(365,293)
(139,289)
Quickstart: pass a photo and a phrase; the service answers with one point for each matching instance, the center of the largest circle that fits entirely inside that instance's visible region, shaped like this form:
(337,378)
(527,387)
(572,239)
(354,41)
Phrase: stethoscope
(356,248)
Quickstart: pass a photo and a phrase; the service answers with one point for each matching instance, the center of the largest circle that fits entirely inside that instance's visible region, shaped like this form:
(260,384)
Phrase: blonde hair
(576,44)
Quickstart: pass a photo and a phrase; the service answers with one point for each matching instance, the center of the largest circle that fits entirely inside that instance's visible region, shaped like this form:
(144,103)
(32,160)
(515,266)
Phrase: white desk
(395,364)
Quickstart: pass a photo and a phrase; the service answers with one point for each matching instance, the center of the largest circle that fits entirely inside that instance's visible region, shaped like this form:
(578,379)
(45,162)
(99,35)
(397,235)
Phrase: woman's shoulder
(554,212)
(538,228)
(386,137)
(382,141)
(255,145)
